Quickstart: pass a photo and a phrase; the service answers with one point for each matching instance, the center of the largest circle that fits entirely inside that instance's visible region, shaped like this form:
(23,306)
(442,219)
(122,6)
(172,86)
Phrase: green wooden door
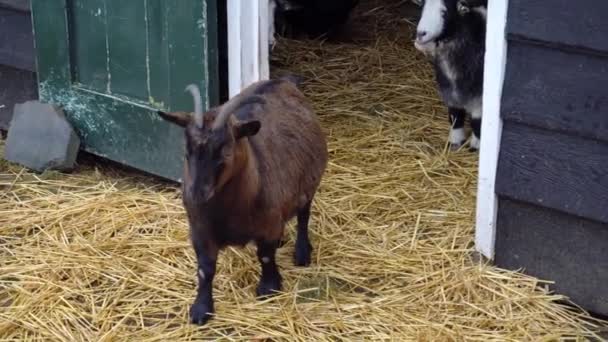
(112,63)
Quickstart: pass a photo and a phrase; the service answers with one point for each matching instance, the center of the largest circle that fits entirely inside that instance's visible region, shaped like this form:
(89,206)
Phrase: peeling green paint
(157,104)
(115,116)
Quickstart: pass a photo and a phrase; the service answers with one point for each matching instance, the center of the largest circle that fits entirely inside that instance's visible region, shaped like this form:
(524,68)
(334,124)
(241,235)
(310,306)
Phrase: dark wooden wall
(552,179)
(17,57)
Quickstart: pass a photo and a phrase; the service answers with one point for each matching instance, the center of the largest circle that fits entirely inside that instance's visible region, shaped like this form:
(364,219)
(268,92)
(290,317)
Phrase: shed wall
(17,58)
(552,178)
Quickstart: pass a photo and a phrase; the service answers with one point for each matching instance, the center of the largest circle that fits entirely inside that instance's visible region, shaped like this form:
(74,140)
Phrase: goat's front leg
(270,281)
(457,134)
(476,128)
(206,255)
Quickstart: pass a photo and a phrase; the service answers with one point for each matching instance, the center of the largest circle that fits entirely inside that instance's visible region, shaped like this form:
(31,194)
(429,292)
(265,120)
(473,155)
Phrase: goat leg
(457,134)
(303,246)
(206,255)
(475,139)
(476,128)
(270,281)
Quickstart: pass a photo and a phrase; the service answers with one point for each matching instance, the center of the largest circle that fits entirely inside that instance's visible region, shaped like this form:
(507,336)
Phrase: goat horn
(231,106)
(198,105)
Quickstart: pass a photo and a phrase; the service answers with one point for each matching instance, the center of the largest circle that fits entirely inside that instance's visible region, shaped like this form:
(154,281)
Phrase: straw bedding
(103,254)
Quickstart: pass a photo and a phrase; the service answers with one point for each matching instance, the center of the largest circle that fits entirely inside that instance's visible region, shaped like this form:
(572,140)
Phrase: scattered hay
(103,255)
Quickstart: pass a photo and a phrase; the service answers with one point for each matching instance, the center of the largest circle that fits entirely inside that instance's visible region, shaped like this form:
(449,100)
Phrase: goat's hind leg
(303,245)
(457,134)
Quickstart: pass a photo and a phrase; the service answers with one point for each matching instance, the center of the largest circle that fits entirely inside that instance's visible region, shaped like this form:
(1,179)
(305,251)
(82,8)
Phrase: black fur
(303,245)
(312,17)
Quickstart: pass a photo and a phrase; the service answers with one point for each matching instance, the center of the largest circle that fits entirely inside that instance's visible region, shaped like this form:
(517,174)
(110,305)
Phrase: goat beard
(428,49)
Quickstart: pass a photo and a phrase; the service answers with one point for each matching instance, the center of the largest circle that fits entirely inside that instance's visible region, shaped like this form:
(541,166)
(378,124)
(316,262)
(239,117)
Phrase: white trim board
(247,43)
(491,127)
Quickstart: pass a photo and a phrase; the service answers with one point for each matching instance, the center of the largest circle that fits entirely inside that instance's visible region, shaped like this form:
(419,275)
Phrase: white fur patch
(449,70)
(482,11)
(462,8)
(457,136)
(265,260)
(475,107)
(429,49)
(201,273)
(431,22)
(475,142)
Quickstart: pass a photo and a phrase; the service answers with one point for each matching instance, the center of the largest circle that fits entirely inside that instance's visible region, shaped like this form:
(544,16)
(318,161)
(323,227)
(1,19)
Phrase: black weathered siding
(16,38)
(552,178)
(17,57)
(558,247)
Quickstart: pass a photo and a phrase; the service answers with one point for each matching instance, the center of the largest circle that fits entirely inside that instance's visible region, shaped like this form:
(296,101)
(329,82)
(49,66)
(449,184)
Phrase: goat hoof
(302,254)
(200,313)
(474,144)
(455,146)
(268,288)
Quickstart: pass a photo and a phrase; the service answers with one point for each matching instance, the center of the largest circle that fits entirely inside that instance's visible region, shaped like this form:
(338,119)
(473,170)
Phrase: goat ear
(246,128)
(178,118)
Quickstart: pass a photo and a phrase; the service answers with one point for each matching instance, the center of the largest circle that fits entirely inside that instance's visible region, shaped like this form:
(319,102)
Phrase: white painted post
(233,11)
(266,19)
(491,127)
(247,43)
(250,39)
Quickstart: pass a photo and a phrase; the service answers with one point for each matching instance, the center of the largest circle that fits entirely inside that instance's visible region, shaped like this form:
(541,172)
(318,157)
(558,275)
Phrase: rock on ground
(40,138)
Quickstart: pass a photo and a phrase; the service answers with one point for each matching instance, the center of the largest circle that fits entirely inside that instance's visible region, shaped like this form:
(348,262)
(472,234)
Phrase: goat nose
(420,34)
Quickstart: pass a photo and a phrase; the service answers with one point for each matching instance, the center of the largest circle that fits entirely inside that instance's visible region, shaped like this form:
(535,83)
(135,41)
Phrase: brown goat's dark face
(211,154)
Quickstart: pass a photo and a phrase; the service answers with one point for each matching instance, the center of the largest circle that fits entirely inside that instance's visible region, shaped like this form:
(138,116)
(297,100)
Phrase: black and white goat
(309,17)
(452,33)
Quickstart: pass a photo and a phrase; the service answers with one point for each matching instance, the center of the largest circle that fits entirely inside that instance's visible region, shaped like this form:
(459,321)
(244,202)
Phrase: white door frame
(247,43)
(491,127)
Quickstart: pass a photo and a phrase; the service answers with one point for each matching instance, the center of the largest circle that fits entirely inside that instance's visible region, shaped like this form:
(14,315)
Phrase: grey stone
(40,138)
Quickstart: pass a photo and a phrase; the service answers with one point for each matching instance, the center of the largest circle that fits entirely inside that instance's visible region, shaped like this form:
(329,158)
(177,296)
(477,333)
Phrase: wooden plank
(247,63)
(16,40)
(554,246)
(250,38)
(52,50)
(554,170)
(87,22)
(234,47)
(264,39)
(158,53)
(211,45)
(494,68)
(124,128)
(127,47)
(126,132)
(582,25)
(557,90)
(19,5)
(187,35)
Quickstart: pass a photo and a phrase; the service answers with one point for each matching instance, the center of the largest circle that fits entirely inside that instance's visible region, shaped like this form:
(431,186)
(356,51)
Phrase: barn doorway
(249,61)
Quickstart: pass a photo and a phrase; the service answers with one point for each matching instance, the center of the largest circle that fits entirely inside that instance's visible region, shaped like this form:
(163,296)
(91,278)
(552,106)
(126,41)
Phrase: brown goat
(251,165)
